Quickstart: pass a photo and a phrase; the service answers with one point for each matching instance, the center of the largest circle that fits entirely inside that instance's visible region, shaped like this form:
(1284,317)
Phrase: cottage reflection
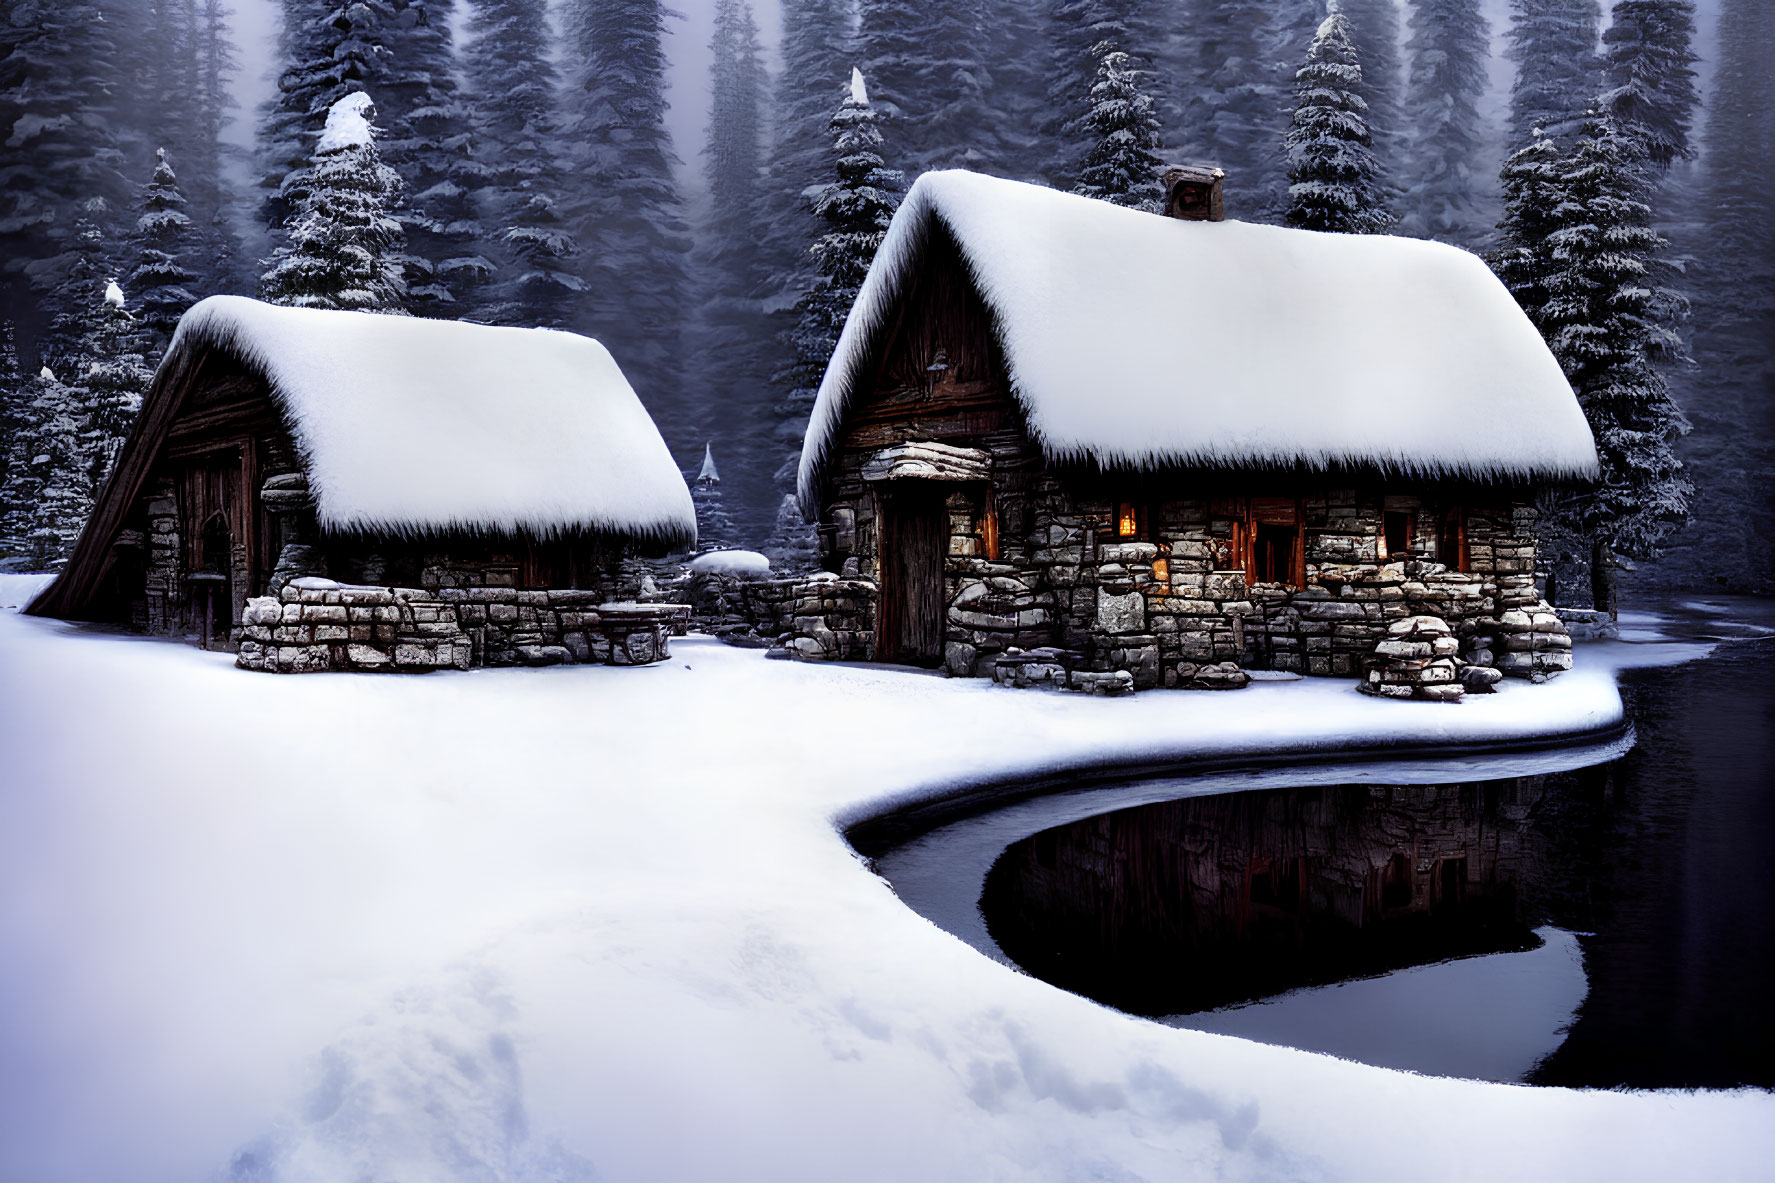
(1191,904)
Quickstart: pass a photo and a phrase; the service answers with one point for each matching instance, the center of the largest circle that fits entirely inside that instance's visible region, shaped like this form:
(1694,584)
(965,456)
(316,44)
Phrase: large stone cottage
(349,490)
(1063,440)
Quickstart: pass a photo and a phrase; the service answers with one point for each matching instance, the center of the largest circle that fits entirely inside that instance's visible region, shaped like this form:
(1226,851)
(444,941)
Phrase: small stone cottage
(343,490)
(1066,442)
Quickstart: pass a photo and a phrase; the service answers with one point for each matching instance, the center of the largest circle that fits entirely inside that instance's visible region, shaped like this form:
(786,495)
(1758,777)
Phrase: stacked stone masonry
(313,626)
(1172,611)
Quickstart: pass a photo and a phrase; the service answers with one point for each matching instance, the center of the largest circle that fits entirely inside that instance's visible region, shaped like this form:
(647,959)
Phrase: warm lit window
(1131,521)
(1395,535)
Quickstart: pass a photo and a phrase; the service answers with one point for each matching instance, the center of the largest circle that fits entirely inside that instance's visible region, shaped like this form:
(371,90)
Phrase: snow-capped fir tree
(1532,180)
(856,209)
(1333,181)
(43,494)
(343,245)
(1122,165)
(514,88)
(714,526)
(928,66)
(218,257)
(1374,31)
(1553,43)
(161,283)
(61,130)
(108,373)
(1231,67)
(1607,319)
(1651,75)
(1449,46)
(400,51)
(732,328)
(12,396)
(628,212)
(815,53)
(1074,29)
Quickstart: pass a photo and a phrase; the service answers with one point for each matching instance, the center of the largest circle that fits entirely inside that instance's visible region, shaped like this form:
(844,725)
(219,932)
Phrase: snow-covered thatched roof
(1135,340)
(411,425)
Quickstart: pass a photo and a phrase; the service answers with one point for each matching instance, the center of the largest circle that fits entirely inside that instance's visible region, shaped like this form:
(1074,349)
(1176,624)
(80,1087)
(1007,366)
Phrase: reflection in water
(1187,905)
(1661,862)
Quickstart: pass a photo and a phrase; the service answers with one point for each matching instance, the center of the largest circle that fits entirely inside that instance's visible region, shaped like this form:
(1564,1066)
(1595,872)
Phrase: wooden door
(914,540)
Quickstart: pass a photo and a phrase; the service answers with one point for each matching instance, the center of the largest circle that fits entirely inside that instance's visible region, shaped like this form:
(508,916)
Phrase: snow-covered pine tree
(1449,45)
(1532,180)
(1230,69)
(1726,391)
(1122,163)
(1374,31)
(1553,43)
(219,260)
(714,525)
(60,84)
(514,88)
(42,496)
(343,244)
(1075,28)
(323,53)
(735,348)
(12,396)
(1607,319)
(856,209)
(1651,75)
(815,49)
(161,283)
(629,214)
(927,65)
(1334,182)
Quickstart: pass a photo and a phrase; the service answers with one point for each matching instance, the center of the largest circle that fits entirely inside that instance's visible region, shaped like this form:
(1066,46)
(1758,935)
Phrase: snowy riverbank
(592,922)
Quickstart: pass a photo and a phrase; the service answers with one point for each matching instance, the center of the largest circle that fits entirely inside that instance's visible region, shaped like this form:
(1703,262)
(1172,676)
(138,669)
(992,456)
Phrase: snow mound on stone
(1139,341)
(414,425)
(745,563)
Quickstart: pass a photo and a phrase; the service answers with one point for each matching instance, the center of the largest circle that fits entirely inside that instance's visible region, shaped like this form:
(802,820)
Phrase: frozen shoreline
(536,925)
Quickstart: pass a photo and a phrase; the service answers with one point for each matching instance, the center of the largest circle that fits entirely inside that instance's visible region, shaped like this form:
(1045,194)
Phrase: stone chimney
(1192,193)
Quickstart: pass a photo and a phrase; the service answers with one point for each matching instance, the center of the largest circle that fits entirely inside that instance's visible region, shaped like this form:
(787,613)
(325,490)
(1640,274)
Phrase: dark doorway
(214,596)
(1272,552)
(914,539)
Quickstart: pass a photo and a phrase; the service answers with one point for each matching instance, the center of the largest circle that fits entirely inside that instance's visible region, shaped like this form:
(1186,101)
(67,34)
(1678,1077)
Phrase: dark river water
(1609,925)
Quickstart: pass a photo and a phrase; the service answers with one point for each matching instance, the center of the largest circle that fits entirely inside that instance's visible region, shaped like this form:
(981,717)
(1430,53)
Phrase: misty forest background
(651,179)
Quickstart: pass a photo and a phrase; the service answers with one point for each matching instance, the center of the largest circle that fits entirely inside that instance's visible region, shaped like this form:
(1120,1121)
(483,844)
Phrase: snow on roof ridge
(1135,340)
(410,425)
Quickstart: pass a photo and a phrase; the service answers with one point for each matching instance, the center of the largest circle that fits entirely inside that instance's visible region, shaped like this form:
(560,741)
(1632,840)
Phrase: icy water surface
(1602,925)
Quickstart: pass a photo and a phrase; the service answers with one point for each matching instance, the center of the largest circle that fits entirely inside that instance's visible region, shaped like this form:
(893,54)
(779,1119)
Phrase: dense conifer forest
(512,161)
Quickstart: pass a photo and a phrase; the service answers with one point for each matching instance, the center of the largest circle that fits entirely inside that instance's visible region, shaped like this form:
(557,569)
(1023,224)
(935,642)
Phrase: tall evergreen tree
(1450,41)
(927,65)
(1727,392)
(1607,320)
(1075,29)
(1334,182)
(733,328)
(400,50)
(1532,179)
(856,208)
(1374,31)
(343,244)
(714,525)
(1558,72)
(1231,67)
(13,393)
(816,51)
(217,253)
(161,283)
(515,87)
(630,217)
(1651,73)
(1122,165)
(43,488)
(60,142)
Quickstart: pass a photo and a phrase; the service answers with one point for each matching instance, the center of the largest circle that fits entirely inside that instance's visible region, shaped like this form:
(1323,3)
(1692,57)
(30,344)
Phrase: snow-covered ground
(557,925)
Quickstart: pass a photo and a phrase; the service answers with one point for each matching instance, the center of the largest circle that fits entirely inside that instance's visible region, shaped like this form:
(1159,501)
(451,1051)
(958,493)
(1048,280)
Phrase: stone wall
(314,625)
(1168,609)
